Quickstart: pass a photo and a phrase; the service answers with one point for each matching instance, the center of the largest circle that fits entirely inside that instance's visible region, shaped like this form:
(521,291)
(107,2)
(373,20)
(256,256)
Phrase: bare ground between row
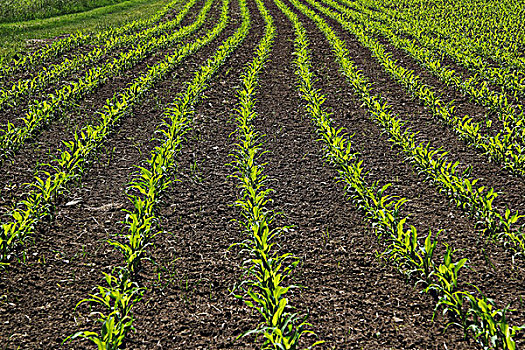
(435,131)
(353,300)
(419,120)
(340,271)
(193,289)
(492,267)
(69,255)
(41,150)
(193,307)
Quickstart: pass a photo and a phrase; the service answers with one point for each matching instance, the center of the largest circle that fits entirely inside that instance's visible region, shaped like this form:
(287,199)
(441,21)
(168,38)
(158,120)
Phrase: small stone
(73,202)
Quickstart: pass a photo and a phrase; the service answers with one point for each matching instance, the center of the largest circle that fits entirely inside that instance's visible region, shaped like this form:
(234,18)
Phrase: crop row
(59,47)
(266,268)
(493,33)
(474,313)
(511,78)
(42,113)
(72,162)
(505,147)
(144,192)
(474,87)
(458,186)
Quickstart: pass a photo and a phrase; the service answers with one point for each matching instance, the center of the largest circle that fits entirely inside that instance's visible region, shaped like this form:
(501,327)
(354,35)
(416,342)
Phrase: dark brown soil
(493,268)
(40,150)
(447,59)
(69,255)
(352,298)
(13,114)
(465,106)
(192,307)
(431,130)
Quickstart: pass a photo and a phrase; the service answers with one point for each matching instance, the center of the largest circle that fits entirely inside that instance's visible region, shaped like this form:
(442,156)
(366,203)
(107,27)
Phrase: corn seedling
(266,268)
(71,162)
(403,249)
(146,188)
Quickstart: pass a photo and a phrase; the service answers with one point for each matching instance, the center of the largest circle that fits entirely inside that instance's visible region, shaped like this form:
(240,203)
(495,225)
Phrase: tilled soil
(69,255)
(493,269)
(438,134)
(352,298)
(193,306)
(41,150)
(446,59)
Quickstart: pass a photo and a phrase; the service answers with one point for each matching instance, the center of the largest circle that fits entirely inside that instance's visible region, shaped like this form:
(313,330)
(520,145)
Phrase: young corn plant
(451,299)
(61,46)
(403,249)
(117,299)
(146,188)
(12,95)
(45,111)
(490,326)
(72,161)
(267,269)
(475,87)
(502,148)
(431,163)
(508,77)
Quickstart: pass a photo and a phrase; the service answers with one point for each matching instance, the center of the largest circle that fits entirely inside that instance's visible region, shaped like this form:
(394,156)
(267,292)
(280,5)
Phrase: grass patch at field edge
(20,37)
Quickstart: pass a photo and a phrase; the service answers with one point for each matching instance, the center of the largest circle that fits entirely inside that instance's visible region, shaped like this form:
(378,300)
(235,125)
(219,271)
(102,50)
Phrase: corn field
(268,174)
